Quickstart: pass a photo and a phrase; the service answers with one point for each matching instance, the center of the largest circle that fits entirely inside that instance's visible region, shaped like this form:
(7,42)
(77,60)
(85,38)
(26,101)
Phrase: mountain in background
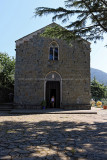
(100,76)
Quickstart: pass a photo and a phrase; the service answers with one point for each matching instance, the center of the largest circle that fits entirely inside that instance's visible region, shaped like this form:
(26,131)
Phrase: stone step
(51,111)
(6,106)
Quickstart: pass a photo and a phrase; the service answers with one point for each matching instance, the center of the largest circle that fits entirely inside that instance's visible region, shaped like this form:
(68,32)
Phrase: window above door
(53,51)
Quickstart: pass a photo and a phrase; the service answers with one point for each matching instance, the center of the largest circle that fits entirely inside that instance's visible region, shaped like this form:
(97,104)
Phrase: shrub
(99,103)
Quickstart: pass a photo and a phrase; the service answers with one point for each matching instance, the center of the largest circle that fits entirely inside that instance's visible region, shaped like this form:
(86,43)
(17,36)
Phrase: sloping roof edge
(29,36)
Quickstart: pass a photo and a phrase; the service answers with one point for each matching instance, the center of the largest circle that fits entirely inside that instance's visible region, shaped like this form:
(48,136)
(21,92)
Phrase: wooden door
(53,89)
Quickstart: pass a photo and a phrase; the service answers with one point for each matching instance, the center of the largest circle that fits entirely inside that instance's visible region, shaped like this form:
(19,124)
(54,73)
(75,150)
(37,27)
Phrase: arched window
(53,52)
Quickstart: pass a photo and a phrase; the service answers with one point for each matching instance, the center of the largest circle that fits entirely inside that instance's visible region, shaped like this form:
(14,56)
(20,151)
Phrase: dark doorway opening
(53,93)
(53,89)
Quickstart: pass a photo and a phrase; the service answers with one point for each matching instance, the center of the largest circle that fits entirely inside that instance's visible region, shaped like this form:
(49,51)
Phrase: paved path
(54,136)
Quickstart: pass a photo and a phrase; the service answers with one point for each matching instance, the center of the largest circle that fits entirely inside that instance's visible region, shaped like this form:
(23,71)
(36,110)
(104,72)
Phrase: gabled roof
(29,36)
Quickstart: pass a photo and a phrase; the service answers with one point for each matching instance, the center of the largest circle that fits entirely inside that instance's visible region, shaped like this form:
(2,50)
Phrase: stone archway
(53,87)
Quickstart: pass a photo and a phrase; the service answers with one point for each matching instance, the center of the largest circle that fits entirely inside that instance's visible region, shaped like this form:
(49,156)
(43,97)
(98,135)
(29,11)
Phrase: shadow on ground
(53,140)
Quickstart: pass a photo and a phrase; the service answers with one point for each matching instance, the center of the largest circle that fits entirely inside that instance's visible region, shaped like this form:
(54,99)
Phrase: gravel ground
(54,136)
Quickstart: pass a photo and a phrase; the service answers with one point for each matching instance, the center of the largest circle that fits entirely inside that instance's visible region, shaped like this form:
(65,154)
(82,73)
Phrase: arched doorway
(53,87)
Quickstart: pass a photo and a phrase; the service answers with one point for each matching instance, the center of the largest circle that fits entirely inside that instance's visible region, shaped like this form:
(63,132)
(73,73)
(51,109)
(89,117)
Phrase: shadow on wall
(53,140)
(6,95)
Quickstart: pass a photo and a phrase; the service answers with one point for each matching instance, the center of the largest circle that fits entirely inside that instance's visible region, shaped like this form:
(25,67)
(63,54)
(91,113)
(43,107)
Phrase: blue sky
(17,20)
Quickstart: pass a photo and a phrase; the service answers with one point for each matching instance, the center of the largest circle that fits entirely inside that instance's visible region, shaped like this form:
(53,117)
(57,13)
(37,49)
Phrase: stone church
(48,67)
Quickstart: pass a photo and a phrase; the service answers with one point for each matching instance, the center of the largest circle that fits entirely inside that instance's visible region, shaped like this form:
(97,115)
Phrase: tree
(7,70)
(90,22)
(105,92)
(98,90)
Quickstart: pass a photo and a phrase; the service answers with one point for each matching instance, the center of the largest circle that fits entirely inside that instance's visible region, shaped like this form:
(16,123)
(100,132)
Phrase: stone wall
(32,65)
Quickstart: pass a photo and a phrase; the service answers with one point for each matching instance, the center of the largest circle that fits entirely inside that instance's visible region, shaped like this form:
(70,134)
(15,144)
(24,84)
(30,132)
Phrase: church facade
(50,67)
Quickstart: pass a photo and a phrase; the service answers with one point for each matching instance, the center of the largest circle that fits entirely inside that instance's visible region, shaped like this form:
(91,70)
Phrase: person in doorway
(53,101)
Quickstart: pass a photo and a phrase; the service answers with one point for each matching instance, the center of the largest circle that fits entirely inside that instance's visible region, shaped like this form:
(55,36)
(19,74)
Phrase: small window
(53,54)
(56,54)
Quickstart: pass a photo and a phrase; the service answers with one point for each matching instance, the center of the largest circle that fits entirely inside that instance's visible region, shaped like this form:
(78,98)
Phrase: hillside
(100,75)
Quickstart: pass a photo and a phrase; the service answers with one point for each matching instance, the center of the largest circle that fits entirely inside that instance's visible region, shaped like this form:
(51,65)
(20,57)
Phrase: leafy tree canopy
(98,90)
(7,70)
(88,19)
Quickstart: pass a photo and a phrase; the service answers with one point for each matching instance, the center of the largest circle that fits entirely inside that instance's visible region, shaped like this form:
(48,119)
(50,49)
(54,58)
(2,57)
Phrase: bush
(99,103)
(92,102)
